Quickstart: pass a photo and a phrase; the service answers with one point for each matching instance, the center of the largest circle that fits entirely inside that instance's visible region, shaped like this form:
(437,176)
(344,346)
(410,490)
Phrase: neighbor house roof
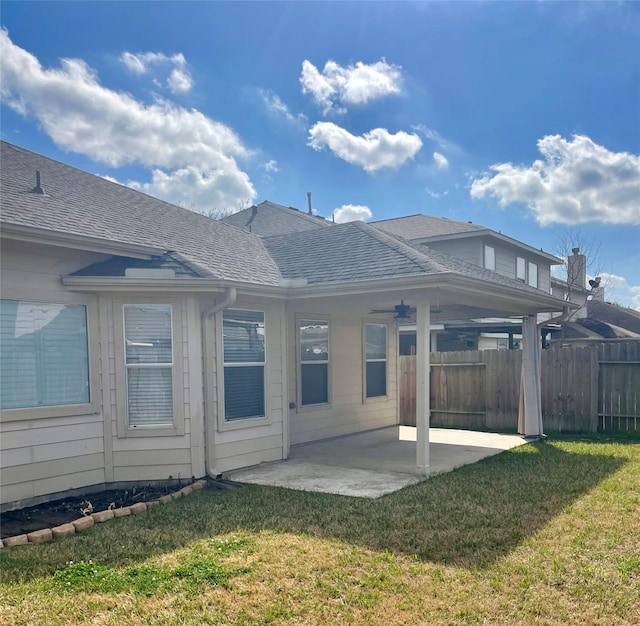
(426,228)
(421,226)
(269,218)
(620,317)
(79,203)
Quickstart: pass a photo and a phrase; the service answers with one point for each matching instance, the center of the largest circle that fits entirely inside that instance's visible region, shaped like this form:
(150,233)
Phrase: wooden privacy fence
(583,389)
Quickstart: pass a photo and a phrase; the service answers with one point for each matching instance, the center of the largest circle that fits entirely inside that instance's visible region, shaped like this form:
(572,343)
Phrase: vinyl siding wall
(247,442)
(154,456)
(48,455)
(347,411)
(471,250)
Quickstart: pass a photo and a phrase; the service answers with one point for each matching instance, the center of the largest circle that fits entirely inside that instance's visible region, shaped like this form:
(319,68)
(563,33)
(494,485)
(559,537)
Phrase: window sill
(375,399)
(246,422)
(151,431)
(44,412)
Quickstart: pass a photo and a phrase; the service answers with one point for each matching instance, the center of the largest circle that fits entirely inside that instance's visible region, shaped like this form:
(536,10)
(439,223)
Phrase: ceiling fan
(402,311)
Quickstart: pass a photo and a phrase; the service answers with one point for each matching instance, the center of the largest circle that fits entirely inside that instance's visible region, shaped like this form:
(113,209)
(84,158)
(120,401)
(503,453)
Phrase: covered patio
(374,463)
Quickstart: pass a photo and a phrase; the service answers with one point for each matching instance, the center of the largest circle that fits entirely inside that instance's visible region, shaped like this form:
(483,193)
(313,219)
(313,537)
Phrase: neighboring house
(141,340)
(269,218)
(601,323)
(484,247)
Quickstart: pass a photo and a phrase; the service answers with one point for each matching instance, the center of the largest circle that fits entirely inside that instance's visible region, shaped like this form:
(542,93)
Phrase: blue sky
(523,117)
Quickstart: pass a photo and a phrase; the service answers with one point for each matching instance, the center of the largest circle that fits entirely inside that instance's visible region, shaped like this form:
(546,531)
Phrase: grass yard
(546,533)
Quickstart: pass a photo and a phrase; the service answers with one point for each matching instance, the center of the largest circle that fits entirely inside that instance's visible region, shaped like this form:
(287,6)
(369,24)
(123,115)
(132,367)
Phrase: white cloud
(442,162)
(435,194)
(617,289)
(276,106)
(372,151)
(179,80)
(352,213)
(352,85)
(195,189)
(113,128)
(271,166)
(577,181)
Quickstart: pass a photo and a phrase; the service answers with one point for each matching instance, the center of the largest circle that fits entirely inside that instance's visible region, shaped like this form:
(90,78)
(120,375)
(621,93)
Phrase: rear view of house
(141,340)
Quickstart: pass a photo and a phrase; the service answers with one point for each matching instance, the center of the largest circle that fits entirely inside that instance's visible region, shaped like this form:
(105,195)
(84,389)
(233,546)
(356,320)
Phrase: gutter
(228,300)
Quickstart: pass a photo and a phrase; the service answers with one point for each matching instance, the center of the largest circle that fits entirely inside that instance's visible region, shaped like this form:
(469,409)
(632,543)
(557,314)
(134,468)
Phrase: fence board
(583,389)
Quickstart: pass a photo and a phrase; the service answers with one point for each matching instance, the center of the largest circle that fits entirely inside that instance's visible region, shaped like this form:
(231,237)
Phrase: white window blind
(44,356)
(149,364)
(314,362)
(375,360)
(490,257)
(243,334)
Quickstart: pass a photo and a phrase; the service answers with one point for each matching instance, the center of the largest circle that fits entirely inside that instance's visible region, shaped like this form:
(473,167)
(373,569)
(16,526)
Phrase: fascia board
(78,242)
(202,285)
(552,259)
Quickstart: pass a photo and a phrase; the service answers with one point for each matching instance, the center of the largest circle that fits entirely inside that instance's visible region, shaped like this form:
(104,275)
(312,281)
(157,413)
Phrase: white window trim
(484,255)
(365,398)
(215,383)
(68,410)
(323,406)
(529,264)
(524,269)
(124,430)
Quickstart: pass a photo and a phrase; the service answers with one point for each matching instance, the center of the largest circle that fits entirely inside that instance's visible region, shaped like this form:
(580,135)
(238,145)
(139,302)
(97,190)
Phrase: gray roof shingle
(358,251)
(422,226)
(80,203)
(269,218)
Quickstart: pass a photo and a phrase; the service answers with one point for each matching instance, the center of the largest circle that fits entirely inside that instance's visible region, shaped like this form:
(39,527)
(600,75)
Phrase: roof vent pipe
(38,188)
(309,202)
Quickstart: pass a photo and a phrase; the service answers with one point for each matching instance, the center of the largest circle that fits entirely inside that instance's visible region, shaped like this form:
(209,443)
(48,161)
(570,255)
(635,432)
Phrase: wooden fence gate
(583,389)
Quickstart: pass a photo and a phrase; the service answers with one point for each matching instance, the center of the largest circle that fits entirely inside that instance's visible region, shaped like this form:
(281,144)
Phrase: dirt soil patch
(62,511)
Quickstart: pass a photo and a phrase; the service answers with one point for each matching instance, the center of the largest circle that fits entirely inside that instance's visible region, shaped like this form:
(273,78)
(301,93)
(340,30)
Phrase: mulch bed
(63,511)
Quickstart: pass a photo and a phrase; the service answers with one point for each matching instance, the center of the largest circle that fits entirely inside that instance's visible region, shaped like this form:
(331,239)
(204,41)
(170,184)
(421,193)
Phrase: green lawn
(547,533)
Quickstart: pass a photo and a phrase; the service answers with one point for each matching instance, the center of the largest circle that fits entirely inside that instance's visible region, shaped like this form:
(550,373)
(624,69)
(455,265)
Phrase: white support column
(423,334)
(530,409)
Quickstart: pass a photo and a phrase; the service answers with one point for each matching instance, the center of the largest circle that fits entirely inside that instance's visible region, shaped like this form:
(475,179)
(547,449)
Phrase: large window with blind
(375,360)
(44,361)
(149,365)
(243,339)
(314,361)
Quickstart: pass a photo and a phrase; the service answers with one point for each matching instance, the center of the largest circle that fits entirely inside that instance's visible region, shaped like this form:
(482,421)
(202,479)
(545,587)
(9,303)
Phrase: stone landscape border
(82,523)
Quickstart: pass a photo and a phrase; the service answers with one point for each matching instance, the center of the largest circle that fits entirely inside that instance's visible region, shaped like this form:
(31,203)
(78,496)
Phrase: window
(45,355)
(243,338)
(314,362)
(375,356)
(521,269)
(149,364)
(490,257)
(533,275)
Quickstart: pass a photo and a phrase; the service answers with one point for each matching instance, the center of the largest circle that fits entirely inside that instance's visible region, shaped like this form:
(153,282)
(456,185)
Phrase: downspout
(228,300)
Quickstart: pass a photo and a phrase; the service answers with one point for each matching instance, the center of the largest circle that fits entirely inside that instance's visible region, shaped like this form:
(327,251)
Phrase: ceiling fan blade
(382,311)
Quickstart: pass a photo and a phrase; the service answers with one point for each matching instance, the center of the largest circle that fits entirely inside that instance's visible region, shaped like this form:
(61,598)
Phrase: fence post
(594,386)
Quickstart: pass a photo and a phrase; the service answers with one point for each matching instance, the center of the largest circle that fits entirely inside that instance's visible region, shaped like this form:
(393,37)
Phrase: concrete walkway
(373,463)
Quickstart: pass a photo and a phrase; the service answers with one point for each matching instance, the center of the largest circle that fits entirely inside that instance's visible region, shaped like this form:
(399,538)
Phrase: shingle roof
(269,218)
(80,203)
(358,251)
(422,226)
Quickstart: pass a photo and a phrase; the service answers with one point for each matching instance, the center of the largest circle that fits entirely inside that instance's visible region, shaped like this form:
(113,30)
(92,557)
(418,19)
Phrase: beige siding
(136,455)
(347,411)
(43,455)
(248,442)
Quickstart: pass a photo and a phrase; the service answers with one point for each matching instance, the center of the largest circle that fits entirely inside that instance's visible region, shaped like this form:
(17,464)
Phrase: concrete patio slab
(374,463)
